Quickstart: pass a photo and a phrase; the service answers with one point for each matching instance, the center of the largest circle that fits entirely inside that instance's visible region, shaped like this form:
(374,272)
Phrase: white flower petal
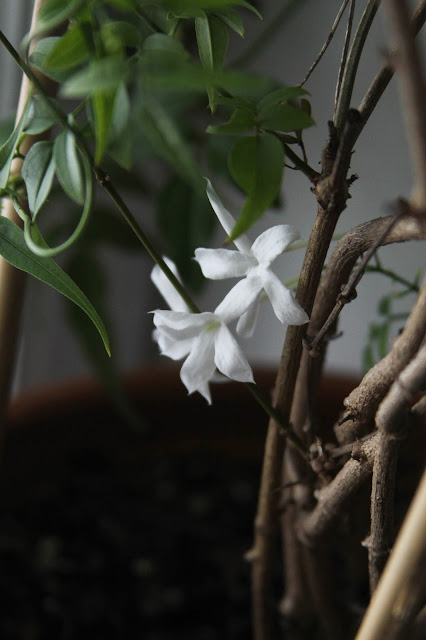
(181,325)
(199,366)
(229,358)
(174,349)
(218,264)
(272,242)
(238,300)
(247,322)
(226,220)
(286,308)
(165,287)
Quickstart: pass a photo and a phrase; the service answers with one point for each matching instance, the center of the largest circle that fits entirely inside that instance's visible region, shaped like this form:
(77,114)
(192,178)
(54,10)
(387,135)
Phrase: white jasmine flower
(211,345)
(252,261)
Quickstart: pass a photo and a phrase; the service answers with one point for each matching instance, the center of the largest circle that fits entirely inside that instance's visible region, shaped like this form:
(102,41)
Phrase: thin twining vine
(105,182)
(29,224)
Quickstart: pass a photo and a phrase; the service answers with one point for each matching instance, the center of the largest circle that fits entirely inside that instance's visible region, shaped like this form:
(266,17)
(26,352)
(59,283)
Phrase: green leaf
(212,40)
(118,34)
(280,95)
(161,42)
(69,51)
(40,117)
(383,340)
(68,166)
(168,143)
(14,249)
(6,129)
(165,70)
(232,19)
(103,106)
(240,122)
(54,12)
(256,164)
(125,5)
(218,149)
(38,56)
(284,117)
(120,112)
(368,358)
(179,6)
(38,171)
(185,222)
(237,102)
(101,75)
(384,306)
(121,135)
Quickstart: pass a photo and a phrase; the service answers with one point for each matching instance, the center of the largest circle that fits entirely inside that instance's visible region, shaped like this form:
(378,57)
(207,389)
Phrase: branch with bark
(391,421)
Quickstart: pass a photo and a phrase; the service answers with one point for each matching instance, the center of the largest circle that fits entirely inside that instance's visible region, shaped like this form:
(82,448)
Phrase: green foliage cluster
(380,332)
(138,77)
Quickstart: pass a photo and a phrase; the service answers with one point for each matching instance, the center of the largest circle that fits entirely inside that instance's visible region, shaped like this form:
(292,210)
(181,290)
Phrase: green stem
(145,241)
(393,276)
(299,163)
(277,417)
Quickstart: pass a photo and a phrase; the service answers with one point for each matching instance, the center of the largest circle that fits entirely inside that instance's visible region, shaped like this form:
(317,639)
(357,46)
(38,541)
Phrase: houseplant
(150,47)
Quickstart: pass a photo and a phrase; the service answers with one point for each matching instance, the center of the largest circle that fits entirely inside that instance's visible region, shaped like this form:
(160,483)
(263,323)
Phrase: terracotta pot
(47,424)
(111,533)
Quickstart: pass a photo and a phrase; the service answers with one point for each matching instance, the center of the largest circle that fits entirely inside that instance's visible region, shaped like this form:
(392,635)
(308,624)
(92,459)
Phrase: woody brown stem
(332,498)
(413,93)
(391,421)
(331,196)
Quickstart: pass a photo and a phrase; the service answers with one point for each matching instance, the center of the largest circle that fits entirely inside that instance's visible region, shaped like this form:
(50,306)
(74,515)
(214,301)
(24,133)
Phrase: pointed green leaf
(125,5)
(256,164)
(68,166)
(232,19)
(280,95)
(103,105)
(121,135)
(117,34)
(38,56)
(162,42)
(237,102)
(212,40)
(54,12)
(69,51)
(7,150)
(383,340)
(284,117)
(167,141)
(185,221)
(40,116)
(14,249)
(240,122)
(101,75)
(38,171)
(6,128)
(178,6)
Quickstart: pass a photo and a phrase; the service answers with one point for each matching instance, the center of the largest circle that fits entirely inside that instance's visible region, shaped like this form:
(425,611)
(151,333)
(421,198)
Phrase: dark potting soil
(153,553)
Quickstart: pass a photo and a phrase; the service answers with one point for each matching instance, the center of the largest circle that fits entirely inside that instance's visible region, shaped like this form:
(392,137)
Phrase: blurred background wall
(49,350)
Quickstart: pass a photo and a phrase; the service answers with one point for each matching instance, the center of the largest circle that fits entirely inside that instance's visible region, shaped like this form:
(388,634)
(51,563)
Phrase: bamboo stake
(393,598)
(12,280)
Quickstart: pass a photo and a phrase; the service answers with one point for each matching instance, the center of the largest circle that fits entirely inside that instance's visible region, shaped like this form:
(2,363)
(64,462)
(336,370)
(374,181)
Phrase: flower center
(212,326)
